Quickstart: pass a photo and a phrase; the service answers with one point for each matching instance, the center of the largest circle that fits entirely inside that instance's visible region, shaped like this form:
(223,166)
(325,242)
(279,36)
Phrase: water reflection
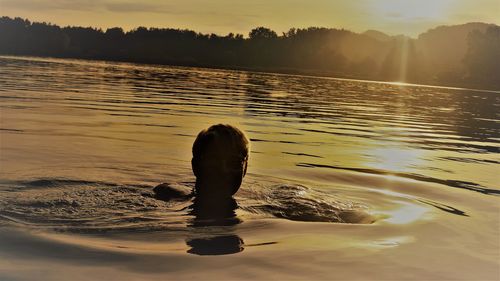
(406,213)
(452,183)
(218,245)
(219,216)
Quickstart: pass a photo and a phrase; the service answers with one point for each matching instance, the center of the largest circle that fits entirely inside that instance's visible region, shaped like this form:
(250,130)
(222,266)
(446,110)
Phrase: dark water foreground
(347,179)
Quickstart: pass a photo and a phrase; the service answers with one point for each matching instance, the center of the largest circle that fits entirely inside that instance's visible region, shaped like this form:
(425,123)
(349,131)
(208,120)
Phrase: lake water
(82,144)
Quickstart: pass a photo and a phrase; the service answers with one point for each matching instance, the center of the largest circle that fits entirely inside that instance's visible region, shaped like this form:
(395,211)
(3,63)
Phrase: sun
(401,10)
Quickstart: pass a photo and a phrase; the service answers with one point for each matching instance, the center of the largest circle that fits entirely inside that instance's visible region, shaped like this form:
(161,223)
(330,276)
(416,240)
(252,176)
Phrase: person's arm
(168,192)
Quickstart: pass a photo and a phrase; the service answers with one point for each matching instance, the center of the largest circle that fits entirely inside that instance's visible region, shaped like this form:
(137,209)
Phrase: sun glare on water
(394,159)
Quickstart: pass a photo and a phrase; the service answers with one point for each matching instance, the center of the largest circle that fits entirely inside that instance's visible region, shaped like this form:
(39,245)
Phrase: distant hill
(442,49)
(375,34)
(437,56)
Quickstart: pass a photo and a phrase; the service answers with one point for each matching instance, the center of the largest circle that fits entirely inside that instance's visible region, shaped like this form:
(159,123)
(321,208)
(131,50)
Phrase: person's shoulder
(166,192)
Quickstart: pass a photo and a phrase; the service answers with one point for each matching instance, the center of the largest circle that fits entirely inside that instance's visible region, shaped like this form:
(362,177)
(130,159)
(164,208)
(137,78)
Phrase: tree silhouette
(483,56)
(313,50)
(262,33)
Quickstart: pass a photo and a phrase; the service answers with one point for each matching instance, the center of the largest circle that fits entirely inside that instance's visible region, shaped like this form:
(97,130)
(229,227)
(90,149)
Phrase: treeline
(470,60)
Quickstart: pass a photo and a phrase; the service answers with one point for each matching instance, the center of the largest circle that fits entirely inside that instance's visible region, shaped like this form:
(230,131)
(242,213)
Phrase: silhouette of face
(219,172)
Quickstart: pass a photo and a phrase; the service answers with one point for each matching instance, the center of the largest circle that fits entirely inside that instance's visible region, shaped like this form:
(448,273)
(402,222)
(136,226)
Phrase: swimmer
(219,163)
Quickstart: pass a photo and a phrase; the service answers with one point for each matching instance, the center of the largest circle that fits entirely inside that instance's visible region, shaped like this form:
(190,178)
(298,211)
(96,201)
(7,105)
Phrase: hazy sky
(409,17)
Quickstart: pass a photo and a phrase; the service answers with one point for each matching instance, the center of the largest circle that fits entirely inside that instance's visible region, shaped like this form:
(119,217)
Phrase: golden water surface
(82,144)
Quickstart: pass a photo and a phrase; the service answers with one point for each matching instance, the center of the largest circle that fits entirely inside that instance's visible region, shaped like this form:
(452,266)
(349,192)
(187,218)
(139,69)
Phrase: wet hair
(224,137)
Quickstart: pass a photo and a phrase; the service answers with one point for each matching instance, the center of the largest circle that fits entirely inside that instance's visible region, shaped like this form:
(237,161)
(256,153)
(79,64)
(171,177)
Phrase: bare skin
(167,192)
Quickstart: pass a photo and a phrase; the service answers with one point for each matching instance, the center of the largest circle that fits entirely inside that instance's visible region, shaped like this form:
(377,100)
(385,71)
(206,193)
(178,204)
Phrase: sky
(409,17)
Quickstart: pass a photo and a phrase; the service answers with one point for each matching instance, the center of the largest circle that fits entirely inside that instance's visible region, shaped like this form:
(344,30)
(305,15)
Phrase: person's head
(220,155)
